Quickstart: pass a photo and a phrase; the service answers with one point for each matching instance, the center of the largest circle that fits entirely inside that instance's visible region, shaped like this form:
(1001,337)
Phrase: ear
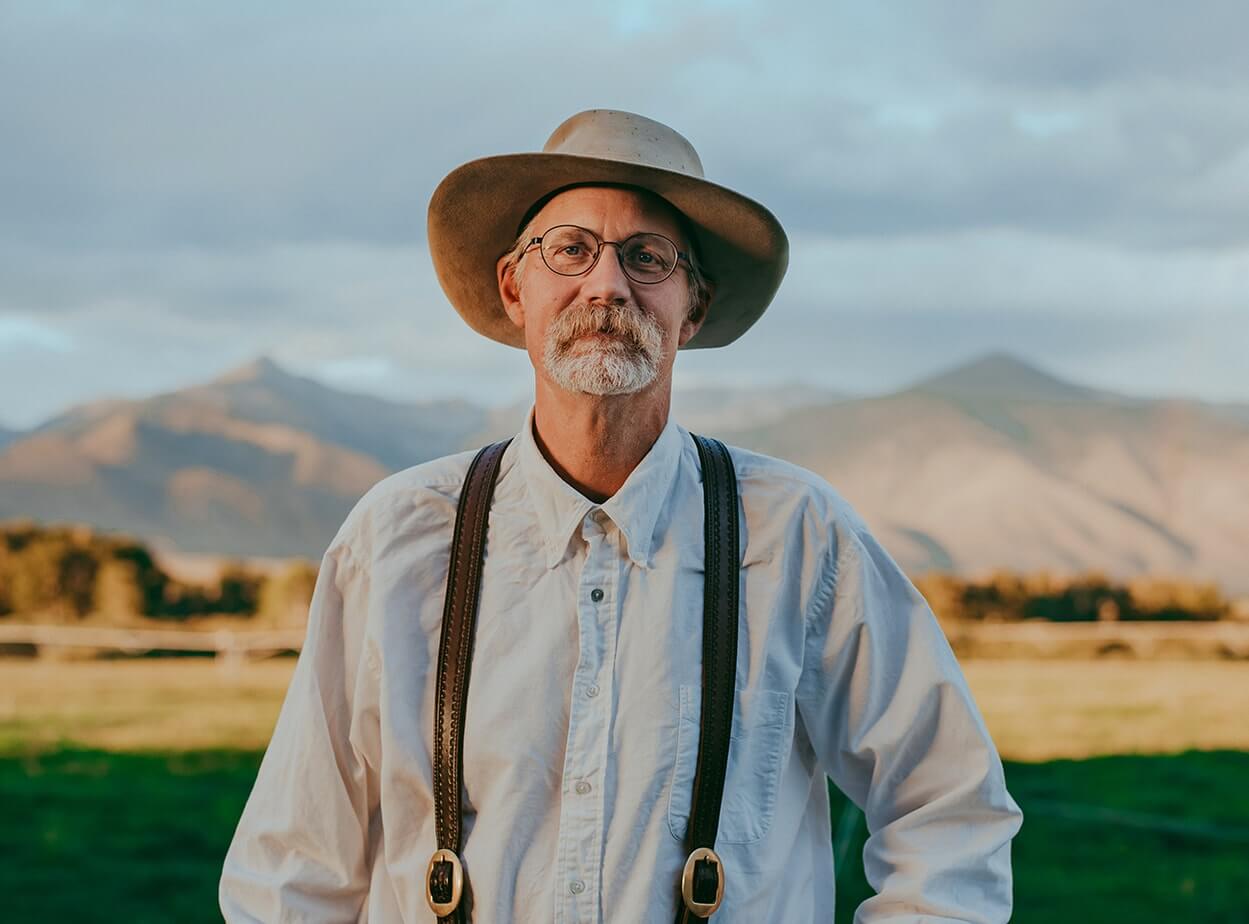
(694,320)
(509,290)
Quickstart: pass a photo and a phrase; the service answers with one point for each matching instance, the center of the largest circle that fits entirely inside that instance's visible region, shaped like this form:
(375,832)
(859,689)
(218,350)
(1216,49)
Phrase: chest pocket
(760,737)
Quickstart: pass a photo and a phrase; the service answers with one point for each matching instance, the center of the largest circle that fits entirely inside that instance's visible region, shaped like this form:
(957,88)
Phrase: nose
(606,280)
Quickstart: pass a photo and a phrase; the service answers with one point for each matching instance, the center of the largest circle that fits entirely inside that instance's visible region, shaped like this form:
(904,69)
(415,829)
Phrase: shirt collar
(634,509)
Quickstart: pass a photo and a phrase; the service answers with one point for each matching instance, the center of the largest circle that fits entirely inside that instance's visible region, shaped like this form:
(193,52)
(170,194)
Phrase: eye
(648,258)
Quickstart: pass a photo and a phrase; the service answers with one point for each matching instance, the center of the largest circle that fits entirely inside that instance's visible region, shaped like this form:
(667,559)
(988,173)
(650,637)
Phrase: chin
(602,372)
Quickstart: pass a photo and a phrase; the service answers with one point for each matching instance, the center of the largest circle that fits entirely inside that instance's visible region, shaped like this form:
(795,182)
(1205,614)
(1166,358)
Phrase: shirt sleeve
(301,849)
(893,722)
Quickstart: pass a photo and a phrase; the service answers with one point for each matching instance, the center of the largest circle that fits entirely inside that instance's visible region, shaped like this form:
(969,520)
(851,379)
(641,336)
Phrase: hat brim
(475,212)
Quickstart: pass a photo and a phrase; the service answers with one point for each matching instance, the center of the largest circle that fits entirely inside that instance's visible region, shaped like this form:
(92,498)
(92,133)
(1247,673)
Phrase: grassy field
(121,784)
(1036,710)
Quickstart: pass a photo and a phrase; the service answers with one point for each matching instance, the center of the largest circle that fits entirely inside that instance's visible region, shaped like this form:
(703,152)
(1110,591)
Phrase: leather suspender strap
(445,881)
(702,880)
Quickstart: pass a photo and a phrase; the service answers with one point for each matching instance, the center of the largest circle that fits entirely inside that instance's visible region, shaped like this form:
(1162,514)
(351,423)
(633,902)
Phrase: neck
(594,442)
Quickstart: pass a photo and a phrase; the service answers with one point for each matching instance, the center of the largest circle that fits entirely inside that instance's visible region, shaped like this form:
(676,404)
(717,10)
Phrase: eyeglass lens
(571,251)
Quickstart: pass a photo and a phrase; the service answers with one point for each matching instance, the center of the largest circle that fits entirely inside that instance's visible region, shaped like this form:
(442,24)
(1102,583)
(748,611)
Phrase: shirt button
(582,788)
(576,887)
(592,690)
(596,594)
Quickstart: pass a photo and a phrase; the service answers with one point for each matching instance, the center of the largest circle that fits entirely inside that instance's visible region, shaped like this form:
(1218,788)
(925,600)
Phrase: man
(602,256)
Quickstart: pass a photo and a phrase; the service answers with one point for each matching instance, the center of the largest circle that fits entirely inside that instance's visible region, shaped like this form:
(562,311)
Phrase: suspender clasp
(444,882)
(702,882)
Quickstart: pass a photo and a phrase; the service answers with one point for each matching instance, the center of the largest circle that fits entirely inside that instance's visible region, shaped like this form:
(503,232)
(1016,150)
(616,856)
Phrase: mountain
(997,464)
(1002,376)
(262,394)
(256,462)
(7,436)
(701,409)
(1236,412)
(993,464)
(711,409)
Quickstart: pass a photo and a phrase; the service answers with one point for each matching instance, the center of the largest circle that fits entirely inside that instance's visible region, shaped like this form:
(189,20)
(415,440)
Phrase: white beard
(620,365)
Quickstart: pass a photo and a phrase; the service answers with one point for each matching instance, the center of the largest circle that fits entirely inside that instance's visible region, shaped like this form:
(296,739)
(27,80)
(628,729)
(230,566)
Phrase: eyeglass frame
(682,256)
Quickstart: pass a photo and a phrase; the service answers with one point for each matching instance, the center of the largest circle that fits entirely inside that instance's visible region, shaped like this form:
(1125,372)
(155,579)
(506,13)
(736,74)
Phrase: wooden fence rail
(228,644)
(1140,639)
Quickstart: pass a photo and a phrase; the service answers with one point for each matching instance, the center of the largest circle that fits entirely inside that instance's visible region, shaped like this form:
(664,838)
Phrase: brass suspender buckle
(702,882)
(444,882)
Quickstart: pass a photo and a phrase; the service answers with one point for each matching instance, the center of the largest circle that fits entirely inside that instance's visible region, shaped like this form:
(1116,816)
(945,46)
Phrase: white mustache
(639,328)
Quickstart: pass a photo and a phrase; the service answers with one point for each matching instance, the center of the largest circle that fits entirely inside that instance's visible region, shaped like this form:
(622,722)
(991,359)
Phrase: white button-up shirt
(581,733)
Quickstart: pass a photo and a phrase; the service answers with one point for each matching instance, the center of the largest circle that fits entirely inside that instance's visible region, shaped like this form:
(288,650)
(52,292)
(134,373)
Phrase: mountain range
(993,464)
(998,465)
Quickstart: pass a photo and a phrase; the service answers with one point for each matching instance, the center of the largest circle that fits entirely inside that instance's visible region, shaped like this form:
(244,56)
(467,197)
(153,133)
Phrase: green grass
(1122,838)
(95,836)
(101,836)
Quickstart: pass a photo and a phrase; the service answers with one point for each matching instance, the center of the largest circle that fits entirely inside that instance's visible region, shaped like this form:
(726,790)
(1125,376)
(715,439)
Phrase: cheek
(534,333)
(672,316)
(538,317)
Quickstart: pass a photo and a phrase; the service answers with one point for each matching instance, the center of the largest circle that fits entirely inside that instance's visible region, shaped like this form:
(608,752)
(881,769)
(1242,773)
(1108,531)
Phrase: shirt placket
(585,761)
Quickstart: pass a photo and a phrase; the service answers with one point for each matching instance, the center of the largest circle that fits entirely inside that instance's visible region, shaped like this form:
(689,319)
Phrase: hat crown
(627,137)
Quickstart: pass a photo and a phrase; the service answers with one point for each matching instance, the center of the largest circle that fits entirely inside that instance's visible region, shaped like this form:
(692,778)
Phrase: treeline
(73,574)
(76,574)
(1003,596)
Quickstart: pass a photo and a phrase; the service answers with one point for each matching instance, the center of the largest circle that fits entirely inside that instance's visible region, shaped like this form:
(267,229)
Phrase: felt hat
(477,211)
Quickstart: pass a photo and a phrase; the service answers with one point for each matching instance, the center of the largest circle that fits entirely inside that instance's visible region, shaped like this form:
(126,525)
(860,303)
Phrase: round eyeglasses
(646,257)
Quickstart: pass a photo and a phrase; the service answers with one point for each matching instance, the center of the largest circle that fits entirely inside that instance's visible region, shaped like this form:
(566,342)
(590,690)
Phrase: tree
(75,580)
(118,596)
(285,596)
(239,590)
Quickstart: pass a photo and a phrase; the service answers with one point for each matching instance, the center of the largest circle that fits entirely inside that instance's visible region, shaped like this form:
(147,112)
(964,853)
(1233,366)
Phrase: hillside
(993,464)
(996,465)
(256,462)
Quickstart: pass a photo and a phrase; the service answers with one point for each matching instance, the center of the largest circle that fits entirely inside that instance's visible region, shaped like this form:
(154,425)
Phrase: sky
(185,186)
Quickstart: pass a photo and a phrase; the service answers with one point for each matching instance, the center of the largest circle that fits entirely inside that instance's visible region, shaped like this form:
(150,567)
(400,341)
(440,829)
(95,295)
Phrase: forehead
(610,211)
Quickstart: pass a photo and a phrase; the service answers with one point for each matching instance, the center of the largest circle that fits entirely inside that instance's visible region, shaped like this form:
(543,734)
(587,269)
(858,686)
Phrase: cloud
(222,126)
(18,332)
(867,314)
(190,186)
(995,272)
(1088,45)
